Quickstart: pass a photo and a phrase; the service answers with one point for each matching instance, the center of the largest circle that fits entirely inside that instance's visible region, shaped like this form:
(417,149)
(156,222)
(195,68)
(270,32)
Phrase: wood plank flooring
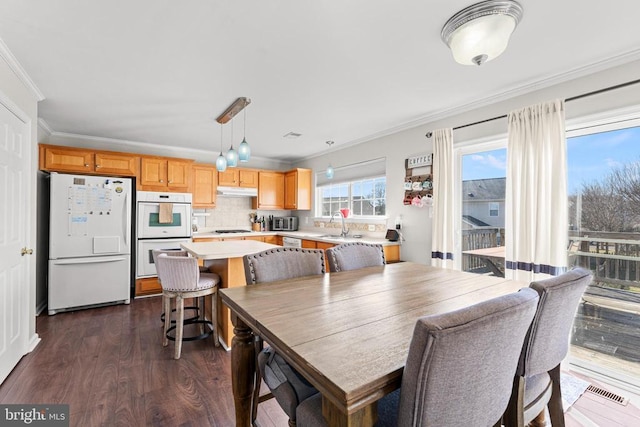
(109,365)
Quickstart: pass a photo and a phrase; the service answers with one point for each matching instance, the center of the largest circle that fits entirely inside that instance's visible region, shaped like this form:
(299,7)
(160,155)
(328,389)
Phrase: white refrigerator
(89,241)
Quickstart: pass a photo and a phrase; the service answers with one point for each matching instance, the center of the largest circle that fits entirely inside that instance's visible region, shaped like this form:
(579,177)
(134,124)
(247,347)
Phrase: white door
(15,282)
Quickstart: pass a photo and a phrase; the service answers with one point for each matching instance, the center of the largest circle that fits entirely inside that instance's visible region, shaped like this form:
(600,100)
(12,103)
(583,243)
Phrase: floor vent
(608,395)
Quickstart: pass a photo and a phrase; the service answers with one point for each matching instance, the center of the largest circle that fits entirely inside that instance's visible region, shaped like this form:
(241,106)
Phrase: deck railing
(480,238)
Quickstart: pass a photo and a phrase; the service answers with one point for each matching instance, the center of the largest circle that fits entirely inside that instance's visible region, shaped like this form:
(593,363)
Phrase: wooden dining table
(347,333)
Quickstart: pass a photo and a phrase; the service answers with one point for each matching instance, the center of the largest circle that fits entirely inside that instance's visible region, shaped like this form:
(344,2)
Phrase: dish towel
(165,216)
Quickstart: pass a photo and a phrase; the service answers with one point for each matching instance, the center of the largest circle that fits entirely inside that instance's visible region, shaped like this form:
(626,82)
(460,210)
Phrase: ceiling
(161,71)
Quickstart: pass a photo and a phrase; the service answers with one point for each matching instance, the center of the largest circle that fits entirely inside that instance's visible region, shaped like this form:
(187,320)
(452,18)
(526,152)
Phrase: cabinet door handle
(97,166)
(170,182)
(86,165)
(161,180)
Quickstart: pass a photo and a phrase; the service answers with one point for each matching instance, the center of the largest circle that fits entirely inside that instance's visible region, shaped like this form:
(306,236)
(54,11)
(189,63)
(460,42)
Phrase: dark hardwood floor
(110,366)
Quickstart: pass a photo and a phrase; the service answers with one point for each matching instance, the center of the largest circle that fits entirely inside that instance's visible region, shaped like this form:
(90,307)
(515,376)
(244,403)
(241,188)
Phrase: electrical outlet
(372,227)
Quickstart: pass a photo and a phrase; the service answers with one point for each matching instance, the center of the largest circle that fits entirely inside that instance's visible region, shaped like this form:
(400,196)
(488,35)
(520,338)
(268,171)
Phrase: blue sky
(589,157)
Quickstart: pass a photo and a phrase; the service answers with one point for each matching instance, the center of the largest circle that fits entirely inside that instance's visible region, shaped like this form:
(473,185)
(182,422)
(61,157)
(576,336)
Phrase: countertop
(225,250)
(302,234)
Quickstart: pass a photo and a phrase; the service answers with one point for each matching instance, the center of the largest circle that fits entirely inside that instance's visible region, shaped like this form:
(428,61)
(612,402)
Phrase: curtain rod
(573,98)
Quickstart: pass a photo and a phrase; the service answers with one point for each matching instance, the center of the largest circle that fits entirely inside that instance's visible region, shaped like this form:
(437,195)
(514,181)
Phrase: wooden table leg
(243,369)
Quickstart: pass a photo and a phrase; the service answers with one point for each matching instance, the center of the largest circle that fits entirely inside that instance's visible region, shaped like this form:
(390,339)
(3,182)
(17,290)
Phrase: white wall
(23,98)
(397,147)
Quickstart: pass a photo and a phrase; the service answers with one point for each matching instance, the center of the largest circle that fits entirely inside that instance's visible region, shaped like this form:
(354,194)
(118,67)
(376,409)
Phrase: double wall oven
(163,222)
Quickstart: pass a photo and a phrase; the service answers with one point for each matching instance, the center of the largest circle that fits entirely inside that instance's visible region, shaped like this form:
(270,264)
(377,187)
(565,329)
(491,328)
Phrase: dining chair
(354,255)
(284,382)
(459,368)
(537,380)
(180,278)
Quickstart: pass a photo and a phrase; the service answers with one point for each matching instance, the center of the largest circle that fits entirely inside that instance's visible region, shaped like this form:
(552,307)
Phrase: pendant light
(329,171)
(232,156)
(221,161)
(244,151)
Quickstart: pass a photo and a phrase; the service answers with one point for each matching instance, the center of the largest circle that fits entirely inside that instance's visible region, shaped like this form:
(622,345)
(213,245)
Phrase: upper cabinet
(270,190)
(297,189)
(238,177)
(69,159)
(204,182)
(164,174)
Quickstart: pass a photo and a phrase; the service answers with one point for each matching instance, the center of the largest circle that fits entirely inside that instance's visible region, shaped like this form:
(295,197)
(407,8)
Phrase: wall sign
(419,161)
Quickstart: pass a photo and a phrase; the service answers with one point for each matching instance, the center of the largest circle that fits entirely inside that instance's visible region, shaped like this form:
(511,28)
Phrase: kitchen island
(225,259)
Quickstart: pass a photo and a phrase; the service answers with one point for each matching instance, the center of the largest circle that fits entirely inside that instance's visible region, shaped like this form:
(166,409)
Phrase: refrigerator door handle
(87,260)
(126,223)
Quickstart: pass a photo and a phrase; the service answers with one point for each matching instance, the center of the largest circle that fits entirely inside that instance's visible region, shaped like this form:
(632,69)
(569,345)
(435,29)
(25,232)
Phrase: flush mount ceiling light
(481,32)
(244,151)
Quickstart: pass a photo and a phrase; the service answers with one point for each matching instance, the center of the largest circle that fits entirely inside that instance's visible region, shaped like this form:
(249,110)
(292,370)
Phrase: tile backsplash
(231,212)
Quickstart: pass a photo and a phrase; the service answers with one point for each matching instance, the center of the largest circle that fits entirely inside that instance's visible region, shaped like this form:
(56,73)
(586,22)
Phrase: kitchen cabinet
(274,240)
(164,174)
(309,244)
(204,185)
(297,189)
(270,191)
(79,160)
(238,177)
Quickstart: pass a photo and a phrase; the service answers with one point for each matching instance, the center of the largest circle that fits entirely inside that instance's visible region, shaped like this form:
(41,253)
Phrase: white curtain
(442,246)
(536,199)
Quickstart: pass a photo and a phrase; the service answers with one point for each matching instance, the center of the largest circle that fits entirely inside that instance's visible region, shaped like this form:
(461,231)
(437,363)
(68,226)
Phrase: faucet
(344,231)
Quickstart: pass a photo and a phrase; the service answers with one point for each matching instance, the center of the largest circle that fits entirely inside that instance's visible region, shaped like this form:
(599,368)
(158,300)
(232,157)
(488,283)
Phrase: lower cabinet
(148,286)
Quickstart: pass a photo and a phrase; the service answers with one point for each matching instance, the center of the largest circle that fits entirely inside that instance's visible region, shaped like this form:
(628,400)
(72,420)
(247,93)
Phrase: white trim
(604,121)
(45,126)
(520,90)
(20,73)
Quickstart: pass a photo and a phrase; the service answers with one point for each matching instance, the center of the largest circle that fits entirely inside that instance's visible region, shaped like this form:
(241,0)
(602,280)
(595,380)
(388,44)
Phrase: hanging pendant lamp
(244,151)
(329,171)
(232,156)
(221,161)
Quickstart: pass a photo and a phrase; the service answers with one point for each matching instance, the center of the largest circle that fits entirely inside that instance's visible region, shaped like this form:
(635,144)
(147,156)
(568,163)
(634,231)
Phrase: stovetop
(232,231)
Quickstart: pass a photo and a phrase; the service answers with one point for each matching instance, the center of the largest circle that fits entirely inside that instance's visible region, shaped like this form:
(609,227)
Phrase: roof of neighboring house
(492,189)
(475,222)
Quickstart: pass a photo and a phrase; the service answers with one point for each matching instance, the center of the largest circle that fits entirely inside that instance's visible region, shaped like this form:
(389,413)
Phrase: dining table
(347,333)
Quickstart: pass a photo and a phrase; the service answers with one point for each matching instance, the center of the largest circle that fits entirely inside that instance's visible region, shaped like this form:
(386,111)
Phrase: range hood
(237,191)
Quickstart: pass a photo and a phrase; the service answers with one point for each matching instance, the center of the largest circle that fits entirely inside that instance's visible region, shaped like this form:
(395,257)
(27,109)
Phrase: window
(604,237)
(364,197)
(494,209)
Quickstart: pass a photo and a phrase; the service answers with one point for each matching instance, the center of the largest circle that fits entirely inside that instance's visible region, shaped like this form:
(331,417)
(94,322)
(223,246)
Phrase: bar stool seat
(180,278)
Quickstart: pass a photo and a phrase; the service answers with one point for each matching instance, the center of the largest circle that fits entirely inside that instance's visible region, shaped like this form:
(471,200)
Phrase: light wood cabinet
(238,177)
(309,244)
(164,174)
(391,253)
(69,159)
(274,240)
(297,189)
(204,185)
(270,191)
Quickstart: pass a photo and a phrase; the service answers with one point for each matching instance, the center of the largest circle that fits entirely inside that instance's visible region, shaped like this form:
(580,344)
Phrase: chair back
(169,252)
(547,341)
(178,273)
(282,263)
(461,364)
(351,256)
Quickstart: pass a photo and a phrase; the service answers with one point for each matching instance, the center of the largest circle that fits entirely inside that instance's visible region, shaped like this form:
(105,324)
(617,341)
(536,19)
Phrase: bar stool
(180,278)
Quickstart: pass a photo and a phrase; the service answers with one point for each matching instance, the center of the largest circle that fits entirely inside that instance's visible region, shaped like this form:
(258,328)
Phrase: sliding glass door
(604,237)
(481,186)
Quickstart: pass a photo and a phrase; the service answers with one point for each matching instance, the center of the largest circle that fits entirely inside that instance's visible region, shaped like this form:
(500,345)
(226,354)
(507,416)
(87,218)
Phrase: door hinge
(25,251)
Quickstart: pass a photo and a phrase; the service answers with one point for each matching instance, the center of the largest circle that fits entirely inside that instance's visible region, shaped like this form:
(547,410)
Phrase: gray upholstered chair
(180,278)
(537,381)
(351,256)
(182,253)
(459,369)
(287,386)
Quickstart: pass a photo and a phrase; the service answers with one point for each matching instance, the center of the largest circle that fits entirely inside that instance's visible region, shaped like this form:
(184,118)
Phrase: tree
(626,182)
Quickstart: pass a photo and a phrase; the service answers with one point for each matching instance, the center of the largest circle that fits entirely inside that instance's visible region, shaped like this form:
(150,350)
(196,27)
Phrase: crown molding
(45,126)
(503,96)
(17,69)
